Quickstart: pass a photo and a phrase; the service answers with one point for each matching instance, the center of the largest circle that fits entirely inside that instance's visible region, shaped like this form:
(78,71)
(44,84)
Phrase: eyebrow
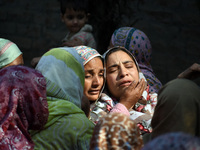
(124,62)
(91,70)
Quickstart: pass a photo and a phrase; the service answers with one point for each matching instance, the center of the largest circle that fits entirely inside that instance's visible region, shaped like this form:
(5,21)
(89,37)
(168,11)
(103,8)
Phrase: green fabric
(69,62)
(67,126)
(64,73)
(8,52)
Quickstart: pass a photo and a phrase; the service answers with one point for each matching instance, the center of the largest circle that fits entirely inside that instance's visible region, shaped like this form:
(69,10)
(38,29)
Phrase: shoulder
(86,28)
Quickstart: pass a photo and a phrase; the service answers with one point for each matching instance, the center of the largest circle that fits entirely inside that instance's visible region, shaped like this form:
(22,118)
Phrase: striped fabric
(8,52)
(67,126)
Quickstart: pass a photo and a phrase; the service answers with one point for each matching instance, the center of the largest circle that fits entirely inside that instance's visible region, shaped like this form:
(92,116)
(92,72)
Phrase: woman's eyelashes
(92,74)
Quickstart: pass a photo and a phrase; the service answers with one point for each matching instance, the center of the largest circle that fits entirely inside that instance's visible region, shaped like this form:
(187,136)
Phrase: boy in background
(75,14)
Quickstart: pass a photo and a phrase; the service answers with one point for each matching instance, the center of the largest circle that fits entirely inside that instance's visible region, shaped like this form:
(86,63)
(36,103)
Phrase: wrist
(127,105)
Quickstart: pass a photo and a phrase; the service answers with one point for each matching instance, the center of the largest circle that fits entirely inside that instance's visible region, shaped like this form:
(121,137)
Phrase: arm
(35,61)
(191,73)
(73,42)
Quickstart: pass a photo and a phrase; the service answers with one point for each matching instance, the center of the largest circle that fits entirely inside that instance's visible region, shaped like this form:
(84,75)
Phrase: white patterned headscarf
(87,53)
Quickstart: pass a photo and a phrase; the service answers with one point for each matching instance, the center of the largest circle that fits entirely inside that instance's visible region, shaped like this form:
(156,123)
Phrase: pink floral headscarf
(139,45)
(23,106)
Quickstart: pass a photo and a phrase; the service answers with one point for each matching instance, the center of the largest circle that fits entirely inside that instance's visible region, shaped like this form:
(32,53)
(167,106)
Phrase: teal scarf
(67,126)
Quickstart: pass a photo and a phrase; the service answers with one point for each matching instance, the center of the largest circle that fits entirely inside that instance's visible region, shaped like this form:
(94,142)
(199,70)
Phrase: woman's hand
(132,94)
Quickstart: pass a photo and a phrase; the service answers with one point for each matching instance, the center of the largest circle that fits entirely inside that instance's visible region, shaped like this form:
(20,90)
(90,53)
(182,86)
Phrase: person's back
(177,109)
(67,126)
(23,106)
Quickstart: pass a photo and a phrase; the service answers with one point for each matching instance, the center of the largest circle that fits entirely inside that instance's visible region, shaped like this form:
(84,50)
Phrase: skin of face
(74,20)
(94,78)
(121,71)
(18,61)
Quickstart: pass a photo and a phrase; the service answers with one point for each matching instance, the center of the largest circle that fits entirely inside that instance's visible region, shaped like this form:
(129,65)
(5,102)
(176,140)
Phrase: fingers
(141,86)
(195,67)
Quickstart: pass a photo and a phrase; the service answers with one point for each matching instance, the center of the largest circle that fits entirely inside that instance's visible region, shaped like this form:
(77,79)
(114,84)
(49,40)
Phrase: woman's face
(121,71)
(94,78)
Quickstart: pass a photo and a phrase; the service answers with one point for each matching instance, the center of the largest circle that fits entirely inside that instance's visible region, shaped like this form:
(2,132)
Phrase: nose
(96,81)
(75,20)
(122,71)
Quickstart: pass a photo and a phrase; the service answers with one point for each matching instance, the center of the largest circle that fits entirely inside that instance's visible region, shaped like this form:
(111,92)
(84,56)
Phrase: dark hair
(76,5)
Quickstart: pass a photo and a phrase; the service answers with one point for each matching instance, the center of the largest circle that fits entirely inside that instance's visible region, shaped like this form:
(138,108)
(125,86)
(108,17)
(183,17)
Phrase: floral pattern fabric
(116,131)
(23,106)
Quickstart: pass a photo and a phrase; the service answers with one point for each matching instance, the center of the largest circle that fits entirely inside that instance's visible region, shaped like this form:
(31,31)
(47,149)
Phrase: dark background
(173,28)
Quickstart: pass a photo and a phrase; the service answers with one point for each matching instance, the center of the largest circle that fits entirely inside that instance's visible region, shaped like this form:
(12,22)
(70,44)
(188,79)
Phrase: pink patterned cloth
(85,35)
(23,106)
(120,108)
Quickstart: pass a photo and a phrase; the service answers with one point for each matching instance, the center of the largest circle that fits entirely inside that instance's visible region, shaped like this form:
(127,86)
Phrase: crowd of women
(78,99)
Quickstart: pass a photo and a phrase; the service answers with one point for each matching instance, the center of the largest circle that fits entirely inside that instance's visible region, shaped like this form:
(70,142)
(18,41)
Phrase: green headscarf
(8,52)
(67,126)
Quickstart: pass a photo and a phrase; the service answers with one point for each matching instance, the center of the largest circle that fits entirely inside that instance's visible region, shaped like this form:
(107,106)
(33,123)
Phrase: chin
(92,99)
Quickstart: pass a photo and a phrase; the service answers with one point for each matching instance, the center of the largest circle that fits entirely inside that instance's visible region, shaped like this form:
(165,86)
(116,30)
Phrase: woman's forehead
(119,56)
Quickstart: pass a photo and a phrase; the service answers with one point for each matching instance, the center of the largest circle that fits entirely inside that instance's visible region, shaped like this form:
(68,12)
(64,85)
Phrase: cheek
(87,85)
(110,80)
(135,75)
(101,81)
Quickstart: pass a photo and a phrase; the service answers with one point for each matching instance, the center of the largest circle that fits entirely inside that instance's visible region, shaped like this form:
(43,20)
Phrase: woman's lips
(125,83)
(93,92)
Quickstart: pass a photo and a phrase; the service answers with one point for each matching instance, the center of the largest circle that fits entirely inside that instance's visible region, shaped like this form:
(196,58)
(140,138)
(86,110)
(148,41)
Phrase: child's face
(74,20)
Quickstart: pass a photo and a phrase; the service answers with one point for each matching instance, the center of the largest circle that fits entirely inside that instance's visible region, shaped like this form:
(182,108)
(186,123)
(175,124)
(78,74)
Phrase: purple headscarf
(139,45)
(174,141)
